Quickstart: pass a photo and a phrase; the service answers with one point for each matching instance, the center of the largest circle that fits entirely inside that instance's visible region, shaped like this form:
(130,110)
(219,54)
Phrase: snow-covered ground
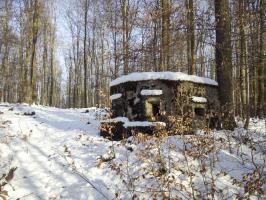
(59,154)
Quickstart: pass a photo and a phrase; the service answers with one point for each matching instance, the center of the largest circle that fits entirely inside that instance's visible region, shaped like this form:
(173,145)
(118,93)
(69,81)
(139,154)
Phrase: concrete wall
(175,100)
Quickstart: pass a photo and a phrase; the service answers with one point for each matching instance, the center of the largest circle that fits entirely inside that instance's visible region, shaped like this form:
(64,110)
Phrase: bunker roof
(171,76)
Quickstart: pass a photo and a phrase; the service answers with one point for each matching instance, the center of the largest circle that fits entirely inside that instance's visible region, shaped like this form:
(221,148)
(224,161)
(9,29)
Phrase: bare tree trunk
(102,70)
(93,63)
(155,39)
(165,36)
(85,98)
(224,62)
(44,60)
(125,25)
(261,77)
(52,76)
(247,90)
(76,58)
(35,30)
(6,54)
(190,37)
(70,84)
(115,52)
(21,63)
(254,46)
(154,46)
(242,56)
(114,21)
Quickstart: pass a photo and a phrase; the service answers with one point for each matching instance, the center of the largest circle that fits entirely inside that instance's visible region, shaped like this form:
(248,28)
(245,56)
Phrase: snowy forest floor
(59,155)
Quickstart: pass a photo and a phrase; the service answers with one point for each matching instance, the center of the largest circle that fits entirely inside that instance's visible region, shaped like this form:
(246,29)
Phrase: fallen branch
(81,175)
(88,181)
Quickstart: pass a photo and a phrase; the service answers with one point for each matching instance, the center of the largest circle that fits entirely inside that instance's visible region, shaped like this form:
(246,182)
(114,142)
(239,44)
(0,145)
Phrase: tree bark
(190,38)
(35,30)
(261,77)
(242,56)
(125,26)
(52,76)
(85,98)
(44,65)
(165,35)
(223,58)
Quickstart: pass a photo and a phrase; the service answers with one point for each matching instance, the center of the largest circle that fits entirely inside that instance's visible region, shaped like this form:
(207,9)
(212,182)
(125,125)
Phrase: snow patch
(115,96)
(136,100)
(23,108)
(142,123)
(128,123)
(117,119)
(199,99)
(151,92)
(57,156)
(171,76)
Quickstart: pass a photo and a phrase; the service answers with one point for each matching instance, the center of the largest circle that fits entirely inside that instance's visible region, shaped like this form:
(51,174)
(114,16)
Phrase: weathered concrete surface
(176,100)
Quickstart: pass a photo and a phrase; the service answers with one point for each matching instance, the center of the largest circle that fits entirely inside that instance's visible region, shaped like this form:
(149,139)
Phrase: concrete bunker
(153,96)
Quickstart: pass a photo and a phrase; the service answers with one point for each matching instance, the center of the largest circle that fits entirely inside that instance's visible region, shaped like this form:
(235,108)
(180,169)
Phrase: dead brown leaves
(5,179)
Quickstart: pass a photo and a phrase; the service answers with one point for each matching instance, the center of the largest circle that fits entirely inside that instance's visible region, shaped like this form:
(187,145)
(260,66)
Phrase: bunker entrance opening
(153,108)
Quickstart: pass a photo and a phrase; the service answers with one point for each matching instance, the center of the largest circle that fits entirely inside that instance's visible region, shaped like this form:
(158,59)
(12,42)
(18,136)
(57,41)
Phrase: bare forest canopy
(103,39)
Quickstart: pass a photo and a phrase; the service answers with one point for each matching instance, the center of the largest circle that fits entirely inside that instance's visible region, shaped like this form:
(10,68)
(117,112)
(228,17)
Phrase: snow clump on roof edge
(172,76)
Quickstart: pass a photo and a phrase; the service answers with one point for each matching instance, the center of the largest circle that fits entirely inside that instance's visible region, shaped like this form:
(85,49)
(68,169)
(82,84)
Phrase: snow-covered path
(44,149)
(60,155)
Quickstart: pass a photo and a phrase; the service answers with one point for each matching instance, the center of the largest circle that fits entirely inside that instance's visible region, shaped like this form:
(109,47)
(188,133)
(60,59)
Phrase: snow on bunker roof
(171,76)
